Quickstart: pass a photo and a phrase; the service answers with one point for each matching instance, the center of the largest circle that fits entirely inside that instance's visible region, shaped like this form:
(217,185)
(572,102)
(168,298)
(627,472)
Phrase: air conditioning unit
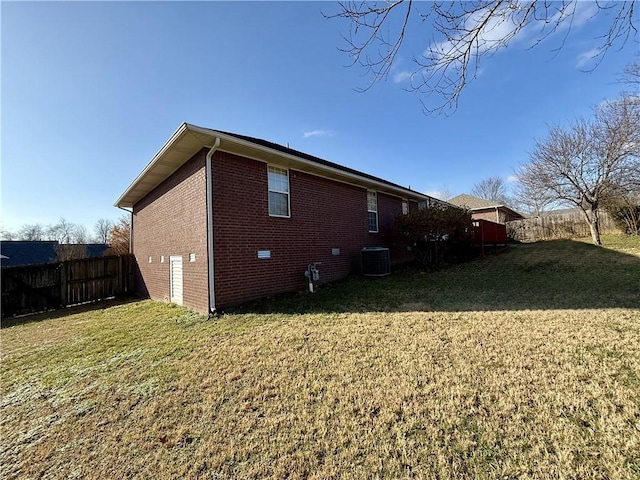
(376,261)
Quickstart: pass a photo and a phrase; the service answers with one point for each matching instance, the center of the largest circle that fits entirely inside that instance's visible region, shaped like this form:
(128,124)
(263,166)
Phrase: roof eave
(122,201)
(232,144)
(493,207)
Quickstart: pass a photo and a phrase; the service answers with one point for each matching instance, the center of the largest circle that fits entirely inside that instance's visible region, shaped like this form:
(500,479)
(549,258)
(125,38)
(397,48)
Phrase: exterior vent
(376,261)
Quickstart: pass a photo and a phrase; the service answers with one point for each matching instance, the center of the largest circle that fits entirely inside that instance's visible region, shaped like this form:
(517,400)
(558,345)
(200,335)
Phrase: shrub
(626,214)
(439,233)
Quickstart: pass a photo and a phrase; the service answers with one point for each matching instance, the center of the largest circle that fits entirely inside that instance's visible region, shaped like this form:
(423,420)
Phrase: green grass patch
(559,274)
(510,366)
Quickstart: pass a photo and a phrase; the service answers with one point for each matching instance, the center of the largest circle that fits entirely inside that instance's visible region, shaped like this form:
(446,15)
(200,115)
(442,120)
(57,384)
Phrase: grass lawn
(521,365)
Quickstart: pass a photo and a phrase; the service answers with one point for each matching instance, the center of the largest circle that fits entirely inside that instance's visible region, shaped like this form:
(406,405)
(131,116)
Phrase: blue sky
(91,91)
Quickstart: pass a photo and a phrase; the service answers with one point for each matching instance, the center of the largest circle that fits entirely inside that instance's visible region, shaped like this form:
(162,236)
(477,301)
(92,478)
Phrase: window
(372,207)
(278,192)
(405,206)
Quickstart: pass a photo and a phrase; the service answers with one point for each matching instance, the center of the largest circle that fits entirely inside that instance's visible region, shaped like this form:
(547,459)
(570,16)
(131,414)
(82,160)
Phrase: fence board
(37,288)
(562,224)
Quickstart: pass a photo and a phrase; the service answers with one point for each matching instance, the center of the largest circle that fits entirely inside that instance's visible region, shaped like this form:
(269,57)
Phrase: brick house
(219,219)
(482,209)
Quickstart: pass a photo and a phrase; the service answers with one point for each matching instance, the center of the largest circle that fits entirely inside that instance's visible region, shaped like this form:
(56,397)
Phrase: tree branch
(464,33)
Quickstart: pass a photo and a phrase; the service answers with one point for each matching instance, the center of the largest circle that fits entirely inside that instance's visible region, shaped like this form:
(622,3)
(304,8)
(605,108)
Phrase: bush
(440,233)
(626,216)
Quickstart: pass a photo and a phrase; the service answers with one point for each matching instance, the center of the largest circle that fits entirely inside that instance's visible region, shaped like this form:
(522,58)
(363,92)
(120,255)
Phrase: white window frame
(276,169)
(405,206)
(372,194)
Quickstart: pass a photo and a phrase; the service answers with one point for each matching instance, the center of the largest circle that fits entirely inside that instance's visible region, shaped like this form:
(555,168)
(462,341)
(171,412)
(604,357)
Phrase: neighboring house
(219,219)
(25,252)
(482,209)
(96,250)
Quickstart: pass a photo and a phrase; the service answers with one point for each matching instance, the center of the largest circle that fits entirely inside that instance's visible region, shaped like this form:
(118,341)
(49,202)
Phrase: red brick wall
(171,220)
(324,215)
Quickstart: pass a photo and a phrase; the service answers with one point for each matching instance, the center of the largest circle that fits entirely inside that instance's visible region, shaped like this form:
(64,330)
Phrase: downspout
(210,259)
(497,216)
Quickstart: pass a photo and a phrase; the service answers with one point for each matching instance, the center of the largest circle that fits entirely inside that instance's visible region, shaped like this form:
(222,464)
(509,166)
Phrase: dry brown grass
(145,390)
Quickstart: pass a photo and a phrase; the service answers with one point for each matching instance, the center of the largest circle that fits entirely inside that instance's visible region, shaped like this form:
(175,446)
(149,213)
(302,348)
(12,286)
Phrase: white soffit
(182,145)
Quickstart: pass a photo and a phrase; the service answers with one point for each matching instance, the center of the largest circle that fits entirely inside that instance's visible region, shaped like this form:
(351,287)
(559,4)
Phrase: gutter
(209,205)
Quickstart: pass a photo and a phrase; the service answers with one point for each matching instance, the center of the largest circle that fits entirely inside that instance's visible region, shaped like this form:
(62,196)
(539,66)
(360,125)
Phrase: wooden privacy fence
(562,224)
(37,288)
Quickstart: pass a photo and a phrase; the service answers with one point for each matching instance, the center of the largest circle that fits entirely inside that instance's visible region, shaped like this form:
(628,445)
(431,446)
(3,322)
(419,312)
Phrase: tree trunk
(594,225)
(595,233)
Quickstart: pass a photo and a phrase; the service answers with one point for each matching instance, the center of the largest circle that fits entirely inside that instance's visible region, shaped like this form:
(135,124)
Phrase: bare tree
(624,207)
(33,232)
(445,193)
(531,199)
(631,75)
(102,229)
(492,188)
(63,231)
(80,234)
(465,32)
(585,163)
(7,235)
